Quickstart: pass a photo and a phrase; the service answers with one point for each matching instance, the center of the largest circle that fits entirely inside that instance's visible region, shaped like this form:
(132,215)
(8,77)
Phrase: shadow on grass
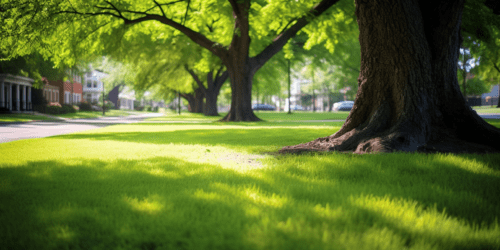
(170,203)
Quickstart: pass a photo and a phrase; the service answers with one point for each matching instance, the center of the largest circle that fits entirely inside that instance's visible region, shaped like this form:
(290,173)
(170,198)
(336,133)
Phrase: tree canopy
(244,35)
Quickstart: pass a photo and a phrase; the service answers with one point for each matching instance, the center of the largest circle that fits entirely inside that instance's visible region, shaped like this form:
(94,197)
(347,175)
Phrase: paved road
(28,130)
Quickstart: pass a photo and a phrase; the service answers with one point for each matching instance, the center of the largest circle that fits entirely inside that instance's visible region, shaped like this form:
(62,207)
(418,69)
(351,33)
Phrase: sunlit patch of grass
(414,219)
(151,205)
(251,138)
(213,186)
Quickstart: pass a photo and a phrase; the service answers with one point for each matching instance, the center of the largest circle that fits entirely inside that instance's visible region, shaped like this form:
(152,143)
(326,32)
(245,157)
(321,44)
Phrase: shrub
(54,110)
(109,105)
(67,109)
(85,106)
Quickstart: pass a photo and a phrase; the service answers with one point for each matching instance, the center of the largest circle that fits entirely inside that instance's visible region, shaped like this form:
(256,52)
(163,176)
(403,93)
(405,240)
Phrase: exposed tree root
(473,136)
(240,117)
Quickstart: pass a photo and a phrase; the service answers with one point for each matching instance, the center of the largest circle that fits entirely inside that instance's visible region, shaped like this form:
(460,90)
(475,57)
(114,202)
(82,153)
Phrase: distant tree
(243,34)
(476,86)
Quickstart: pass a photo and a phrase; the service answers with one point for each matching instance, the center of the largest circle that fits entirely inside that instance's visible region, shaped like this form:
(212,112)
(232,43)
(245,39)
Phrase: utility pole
(314,95)
(103,100)
(465,75)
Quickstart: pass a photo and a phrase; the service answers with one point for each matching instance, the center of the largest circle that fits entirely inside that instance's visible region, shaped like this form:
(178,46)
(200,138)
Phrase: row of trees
(408,96)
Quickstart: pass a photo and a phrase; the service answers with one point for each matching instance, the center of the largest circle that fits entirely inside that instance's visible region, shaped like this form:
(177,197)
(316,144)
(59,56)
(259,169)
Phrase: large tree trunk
(408,97)
(241,94)
(240,67)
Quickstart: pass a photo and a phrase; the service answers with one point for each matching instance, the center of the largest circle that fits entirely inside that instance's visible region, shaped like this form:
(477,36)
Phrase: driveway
(29,130)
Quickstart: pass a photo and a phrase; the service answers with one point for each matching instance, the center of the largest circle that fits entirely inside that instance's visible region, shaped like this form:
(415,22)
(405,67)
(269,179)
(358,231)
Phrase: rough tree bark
(408,97)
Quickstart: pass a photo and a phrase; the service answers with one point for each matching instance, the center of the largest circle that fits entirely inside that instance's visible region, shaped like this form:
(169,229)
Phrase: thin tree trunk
(198,99)
(191,101)
(211,104)
(213,90)
(329,101)
(409,97)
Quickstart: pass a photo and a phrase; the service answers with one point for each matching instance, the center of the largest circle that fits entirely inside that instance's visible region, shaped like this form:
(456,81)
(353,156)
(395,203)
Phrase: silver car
(343,106)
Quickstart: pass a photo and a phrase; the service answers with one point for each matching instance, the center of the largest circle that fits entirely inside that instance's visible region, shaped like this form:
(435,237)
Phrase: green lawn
(21,118)
(222,186)
(272,116)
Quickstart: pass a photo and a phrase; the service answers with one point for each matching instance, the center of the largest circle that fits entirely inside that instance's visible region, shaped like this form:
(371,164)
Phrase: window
(66,97)
(89,84)
(57,96)
(95,84)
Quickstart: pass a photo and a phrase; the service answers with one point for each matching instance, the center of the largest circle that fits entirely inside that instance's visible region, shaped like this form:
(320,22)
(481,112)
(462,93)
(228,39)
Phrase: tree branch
(496,67)
(196,37)
(196,79)
(159,6)
(186,14)
(280,41)
(219,80)
(234,5)
(116,9)
(90,14)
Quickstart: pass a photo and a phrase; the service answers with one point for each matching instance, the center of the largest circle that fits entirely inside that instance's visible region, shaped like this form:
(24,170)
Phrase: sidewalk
(14,131)
(106,119)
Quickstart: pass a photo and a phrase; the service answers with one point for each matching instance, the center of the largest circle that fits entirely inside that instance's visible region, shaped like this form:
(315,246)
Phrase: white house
(126,99)
(93,86)
(15,92)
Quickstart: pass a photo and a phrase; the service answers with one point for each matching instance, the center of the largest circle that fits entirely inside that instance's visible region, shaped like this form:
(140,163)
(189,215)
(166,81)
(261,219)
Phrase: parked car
(343,106)
(297,107)
(263,107)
